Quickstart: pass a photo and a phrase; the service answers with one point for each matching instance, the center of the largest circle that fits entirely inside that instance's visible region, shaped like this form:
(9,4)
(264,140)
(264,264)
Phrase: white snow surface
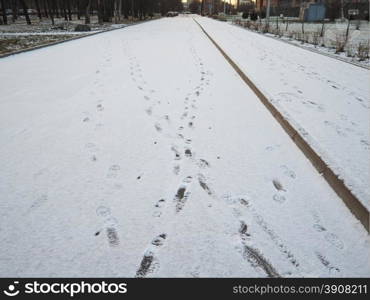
(327,100)
(96,136)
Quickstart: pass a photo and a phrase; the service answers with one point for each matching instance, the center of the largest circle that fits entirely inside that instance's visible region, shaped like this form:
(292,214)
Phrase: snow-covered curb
(319,50)
(11,34)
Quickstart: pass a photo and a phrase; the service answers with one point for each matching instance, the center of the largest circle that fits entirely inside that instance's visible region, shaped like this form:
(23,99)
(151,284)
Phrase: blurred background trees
(105,10)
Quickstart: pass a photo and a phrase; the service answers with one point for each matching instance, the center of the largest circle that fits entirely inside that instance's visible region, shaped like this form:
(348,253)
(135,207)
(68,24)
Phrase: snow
(325,99)
(96,174)
(331,52)
(15,34)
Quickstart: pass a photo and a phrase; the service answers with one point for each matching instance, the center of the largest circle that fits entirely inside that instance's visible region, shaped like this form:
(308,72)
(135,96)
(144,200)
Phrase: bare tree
(50,9)
(107,10)
(87,11)
(14,10)
(69,10)
(25,11)
(37,3)
(3,8)
(45,5)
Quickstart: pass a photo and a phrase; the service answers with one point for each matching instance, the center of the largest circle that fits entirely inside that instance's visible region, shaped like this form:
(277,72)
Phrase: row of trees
(334,8)
(106,10)
(217,6)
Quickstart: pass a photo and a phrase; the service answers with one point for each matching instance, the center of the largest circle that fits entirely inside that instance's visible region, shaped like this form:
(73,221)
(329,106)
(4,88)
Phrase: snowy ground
(146,155)
(13,43)
(60,26)
(332,35)
(325,99)
(19,35)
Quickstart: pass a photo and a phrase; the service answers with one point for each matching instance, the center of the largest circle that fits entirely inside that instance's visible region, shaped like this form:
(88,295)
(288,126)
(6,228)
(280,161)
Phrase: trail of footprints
(181,150)
(331,238)
(241,208)
(97,111)
(181,146)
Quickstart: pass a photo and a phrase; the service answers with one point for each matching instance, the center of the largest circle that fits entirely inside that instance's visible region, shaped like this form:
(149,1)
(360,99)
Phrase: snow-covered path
(326,100)
(140,152)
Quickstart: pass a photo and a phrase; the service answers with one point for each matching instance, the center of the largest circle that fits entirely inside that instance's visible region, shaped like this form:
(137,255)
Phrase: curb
(351,201)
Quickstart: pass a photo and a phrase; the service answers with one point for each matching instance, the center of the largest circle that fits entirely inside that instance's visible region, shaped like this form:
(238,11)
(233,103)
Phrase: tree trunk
(115,11)
(46,14)
(14,10)
(50,8)
(87,12)
(3,8)
(69,10)
(37,2)
(25,11)
(78,9)
(100,13)
(56,7)
(125,9)
(64,11)
(119,9)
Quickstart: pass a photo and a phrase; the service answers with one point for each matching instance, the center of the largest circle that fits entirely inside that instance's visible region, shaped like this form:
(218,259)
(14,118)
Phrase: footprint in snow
(177,153)
(257,260)
(112,236)
(202,163)
(110,224)
(180,198)
(159,205)
(203,184)
(176,169)
(149,262)
(113,171)
(279,196)
(158,127)
(277,184)
(182,195)
(188,153)
(334,240)
(288,172)
(149,111)
(42,199)
(326,263)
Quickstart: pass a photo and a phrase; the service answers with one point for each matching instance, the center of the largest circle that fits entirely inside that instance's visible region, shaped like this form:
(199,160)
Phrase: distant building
(301,8)
(312,11)
(278,7)
(245,2)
